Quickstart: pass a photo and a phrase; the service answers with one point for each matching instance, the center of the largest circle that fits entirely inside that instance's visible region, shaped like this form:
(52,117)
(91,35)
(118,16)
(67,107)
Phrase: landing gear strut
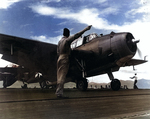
(82,84)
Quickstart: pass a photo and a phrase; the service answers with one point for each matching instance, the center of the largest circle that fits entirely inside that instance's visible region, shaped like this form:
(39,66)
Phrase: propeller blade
(139,52)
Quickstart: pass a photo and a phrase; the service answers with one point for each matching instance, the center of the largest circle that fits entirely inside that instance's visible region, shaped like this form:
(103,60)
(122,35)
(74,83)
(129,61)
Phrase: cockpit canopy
(83,40)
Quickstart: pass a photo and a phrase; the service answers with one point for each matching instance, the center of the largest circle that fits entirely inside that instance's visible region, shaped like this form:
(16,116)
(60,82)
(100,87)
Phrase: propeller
(139,52)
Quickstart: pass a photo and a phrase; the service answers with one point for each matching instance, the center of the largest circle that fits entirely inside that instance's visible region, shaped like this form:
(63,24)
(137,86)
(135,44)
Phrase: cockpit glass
(80,41)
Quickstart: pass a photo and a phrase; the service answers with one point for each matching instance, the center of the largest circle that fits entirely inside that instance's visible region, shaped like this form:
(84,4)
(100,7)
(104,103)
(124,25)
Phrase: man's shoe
(59,96)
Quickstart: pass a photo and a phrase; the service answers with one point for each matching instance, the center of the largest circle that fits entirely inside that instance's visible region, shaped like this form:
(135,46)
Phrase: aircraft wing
(34,55)
(134,62)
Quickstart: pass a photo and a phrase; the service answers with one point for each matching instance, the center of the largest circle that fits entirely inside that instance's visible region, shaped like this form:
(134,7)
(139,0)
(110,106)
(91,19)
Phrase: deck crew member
(64,50)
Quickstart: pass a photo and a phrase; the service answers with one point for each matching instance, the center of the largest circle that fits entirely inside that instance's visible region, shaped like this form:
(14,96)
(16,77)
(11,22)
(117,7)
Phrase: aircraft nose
(130,43)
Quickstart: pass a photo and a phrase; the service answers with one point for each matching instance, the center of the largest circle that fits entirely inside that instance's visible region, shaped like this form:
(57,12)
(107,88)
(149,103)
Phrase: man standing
(135,81)
(64,50)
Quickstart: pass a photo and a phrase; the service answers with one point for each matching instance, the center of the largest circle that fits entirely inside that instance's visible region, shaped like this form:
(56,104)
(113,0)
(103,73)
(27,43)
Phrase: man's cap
(66,32)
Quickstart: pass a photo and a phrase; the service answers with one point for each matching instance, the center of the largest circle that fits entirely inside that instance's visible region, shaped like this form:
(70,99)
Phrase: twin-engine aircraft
(91,55)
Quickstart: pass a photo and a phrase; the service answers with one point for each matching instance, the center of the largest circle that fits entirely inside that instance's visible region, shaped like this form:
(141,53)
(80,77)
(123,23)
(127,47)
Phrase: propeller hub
(137,41)
(130,43)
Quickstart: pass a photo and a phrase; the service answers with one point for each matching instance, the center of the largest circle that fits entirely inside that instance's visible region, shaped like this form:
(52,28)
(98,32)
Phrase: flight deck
(90,104)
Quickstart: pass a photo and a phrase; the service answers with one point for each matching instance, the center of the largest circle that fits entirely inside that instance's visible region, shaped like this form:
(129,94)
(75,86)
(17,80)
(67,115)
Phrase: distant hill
(97,85)
(143,84)
(128,83)
(18,84)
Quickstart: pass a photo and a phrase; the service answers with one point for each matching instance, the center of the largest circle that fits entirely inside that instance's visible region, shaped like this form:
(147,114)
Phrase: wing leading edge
(134,62)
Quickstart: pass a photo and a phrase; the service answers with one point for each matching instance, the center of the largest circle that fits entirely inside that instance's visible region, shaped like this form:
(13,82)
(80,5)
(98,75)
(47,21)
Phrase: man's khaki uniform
(63,62)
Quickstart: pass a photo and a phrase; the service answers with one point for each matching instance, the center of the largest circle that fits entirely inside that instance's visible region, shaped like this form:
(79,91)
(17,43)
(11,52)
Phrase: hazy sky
(45,19)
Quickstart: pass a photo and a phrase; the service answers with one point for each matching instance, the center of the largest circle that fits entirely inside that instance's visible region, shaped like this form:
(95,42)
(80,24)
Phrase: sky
(44,20)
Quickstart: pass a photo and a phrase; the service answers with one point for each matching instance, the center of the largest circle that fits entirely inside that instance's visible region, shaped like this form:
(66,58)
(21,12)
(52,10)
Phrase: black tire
(43,85)
(82,84)
(115,84)
(24,86)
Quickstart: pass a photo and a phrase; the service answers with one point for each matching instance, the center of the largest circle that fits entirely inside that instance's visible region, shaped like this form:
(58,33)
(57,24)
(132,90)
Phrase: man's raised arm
(77,35)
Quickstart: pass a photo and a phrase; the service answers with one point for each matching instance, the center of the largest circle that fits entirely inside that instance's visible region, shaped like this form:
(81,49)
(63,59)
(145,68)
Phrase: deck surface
(91,104)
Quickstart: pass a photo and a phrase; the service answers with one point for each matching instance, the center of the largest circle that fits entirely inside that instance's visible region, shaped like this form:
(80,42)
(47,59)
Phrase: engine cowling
(123,47)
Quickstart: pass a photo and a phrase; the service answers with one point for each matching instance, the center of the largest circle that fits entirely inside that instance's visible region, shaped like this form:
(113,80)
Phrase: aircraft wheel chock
(115,84)
(82,84)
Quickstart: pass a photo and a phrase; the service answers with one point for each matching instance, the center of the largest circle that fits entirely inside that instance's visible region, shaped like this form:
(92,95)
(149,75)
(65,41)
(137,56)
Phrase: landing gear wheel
(82,84)
(115,84)
(24,86)
(43,85)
